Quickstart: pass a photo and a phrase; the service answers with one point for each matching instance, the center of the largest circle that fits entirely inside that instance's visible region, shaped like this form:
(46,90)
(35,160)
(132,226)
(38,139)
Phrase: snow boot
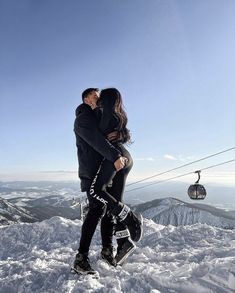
(107,255)
(133,220)
(124,249)
(82,266)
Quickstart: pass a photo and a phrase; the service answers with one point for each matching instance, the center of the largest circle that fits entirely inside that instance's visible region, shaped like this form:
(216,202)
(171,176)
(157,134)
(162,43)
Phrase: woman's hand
(114,136)
(120,163)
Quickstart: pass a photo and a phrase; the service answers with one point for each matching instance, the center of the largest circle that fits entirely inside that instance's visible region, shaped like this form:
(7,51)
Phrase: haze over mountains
(24,202)
(218,195)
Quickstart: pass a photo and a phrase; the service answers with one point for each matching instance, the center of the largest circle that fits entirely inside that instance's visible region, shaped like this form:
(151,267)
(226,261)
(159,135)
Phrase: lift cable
(164,180)
(179,167)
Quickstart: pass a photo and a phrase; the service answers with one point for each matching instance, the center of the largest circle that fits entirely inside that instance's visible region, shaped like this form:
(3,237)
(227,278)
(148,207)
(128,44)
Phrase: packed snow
(37,257)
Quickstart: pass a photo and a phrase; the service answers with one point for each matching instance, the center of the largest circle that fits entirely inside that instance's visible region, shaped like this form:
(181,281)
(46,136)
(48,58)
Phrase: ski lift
(197,191)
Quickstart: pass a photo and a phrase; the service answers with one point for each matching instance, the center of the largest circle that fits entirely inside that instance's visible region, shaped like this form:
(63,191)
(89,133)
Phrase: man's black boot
(108,256)
(81,264)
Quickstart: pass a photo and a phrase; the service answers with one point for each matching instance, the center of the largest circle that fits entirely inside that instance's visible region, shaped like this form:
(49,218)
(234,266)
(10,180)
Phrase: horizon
(221,196)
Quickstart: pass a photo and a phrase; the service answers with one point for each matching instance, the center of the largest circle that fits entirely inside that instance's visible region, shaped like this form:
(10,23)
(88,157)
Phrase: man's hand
(120,163)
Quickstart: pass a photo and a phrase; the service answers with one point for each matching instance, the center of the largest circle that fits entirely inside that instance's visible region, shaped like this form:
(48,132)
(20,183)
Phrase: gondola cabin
(197,191)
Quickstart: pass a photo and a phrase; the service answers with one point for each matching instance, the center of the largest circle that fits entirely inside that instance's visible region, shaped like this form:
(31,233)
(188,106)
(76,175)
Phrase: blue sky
(173,61)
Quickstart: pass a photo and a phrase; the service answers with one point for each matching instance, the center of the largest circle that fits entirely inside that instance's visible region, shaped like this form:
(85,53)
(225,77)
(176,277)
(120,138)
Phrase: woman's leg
(106,176)
(118,186)
(125,245)
(99,191)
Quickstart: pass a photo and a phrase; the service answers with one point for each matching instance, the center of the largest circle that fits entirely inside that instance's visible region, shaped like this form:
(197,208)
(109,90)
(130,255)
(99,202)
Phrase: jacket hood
(81,108)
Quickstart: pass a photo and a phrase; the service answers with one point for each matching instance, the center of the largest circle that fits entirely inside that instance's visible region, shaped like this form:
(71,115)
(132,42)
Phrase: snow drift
(37,257)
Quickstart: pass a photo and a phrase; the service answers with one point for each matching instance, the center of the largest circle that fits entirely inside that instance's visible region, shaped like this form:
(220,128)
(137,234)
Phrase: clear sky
(173,61)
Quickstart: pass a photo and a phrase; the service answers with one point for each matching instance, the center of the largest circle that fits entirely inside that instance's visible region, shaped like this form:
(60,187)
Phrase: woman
(108,185)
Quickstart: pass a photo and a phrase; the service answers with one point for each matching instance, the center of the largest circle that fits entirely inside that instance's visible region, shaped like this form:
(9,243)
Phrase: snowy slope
(43,199)
(170,211)
(10,213)
(192,259)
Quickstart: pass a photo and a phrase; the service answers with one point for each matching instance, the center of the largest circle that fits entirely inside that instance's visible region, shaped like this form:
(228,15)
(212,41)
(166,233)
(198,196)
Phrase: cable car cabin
(197,191)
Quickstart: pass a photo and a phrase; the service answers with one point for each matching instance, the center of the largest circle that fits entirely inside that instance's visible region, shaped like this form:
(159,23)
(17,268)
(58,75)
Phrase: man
(92,147)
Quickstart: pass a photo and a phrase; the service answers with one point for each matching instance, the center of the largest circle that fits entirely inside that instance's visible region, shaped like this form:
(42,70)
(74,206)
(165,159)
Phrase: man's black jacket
(92,146)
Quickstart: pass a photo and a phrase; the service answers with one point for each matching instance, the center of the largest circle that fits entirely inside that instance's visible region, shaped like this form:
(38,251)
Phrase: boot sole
(84,273)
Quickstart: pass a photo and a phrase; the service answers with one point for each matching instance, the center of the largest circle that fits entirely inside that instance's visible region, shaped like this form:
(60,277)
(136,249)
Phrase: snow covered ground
(198,258)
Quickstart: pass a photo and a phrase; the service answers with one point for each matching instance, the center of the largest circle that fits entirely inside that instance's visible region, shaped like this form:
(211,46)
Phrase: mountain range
(10,213)
(166,211)
(172,211)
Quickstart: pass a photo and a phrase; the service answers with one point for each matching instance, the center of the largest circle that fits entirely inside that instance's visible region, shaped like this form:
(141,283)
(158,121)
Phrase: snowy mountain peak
(10,213)
(170,201)
(171,211)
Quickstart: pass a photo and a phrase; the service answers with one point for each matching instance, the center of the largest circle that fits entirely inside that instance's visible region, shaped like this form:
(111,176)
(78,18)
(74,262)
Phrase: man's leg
(98,192)
(107,232)
(95,212)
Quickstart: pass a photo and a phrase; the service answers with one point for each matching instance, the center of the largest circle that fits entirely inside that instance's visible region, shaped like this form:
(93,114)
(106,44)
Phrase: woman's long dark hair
(115,100)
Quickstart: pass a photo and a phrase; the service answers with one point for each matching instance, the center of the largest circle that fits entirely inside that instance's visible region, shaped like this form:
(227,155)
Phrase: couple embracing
(104,163)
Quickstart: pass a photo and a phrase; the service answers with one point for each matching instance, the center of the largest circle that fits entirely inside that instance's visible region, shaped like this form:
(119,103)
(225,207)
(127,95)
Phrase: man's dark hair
(87,91)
